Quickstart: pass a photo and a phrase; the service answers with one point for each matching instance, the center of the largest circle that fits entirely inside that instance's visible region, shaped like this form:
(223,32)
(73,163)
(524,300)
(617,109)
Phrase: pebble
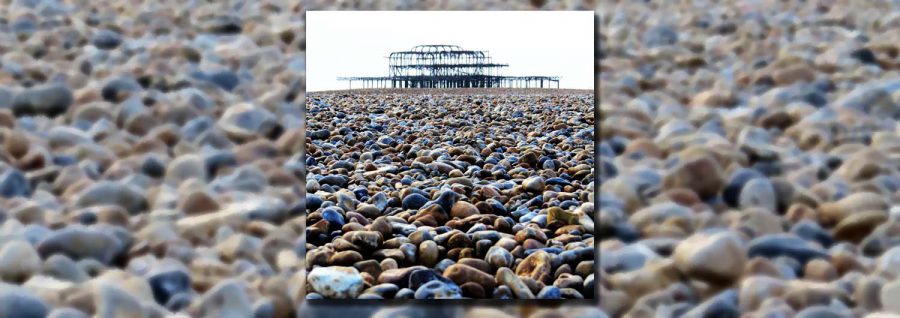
(112,301)
(438,290)
(16,301)
(692,257)
(226,299)
(506,277)
(791,246)
(108,192)
(336,282)
(106,39)
(429,253)
(14,184)
(537,266)
(414,201)
(168,282)
(702,175)
(18,261)
(50,100)
(246,121)
(461,274)
(80,243)
(498,257)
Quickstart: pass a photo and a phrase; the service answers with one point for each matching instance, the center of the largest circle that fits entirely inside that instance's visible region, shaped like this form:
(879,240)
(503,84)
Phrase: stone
(531,231)
(756,289)
(713,98)
(224,79)
(658,213)
(112,301)
(758,192)
(888,261)
(499,257)
(179,302)
(185,167)
(64,268)
(506,277)
(436,289)
(703,175)
(67,312)
(565,217)
(858,225)
(335,180)
(463,209)
(222,24)
(227,298)
(576,255)
(414,201)
(50,99)
(238,246)
(335,219)
(345,258)
(115,193)
(533,184)
(166,282)
(428,253)
(420,277)
(106,39)
(537,266)
(153,166)
(832,213)
(761,220)
(336,281)
(659,36)
(18,302)
(263,308)
(549,292)
(18,261)
(368,240)
(384,290)
(247,121)
(790,75)
(889,294)
(14,184)
(461,274)
(725,304)
(716,258)
(819,270)
(775,245)
(198,202)
(119,89)
(79,243)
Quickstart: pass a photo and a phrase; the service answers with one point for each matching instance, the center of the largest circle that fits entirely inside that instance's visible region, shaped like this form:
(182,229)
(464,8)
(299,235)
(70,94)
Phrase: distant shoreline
(454,91)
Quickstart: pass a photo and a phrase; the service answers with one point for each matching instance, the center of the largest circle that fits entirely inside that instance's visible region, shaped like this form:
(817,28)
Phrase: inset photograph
(450,155)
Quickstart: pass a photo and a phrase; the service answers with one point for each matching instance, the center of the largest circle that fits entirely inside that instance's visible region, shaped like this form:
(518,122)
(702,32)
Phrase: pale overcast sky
(541,43)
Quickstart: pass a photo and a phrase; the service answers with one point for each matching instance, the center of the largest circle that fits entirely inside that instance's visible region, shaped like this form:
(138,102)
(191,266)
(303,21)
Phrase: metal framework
(447,66)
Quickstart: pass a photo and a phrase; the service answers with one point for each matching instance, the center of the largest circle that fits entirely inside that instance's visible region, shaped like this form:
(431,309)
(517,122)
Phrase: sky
(355,43)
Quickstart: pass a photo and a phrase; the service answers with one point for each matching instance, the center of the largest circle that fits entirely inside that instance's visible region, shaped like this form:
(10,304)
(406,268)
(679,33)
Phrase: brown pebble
(463,209)
(472,290)
(461,274)
(819,270)
(537,266)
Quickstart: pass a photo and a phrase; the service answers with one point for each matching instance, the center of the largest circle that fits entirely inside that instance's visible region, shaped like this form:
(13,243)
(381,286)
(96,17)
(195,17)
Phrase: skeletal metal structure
(447,66)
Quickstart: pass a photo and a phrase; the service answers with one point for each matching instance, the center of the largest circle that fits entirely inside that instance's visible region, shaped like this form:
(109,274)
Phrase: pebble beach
(450,194)
(749,158)
(151,159)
